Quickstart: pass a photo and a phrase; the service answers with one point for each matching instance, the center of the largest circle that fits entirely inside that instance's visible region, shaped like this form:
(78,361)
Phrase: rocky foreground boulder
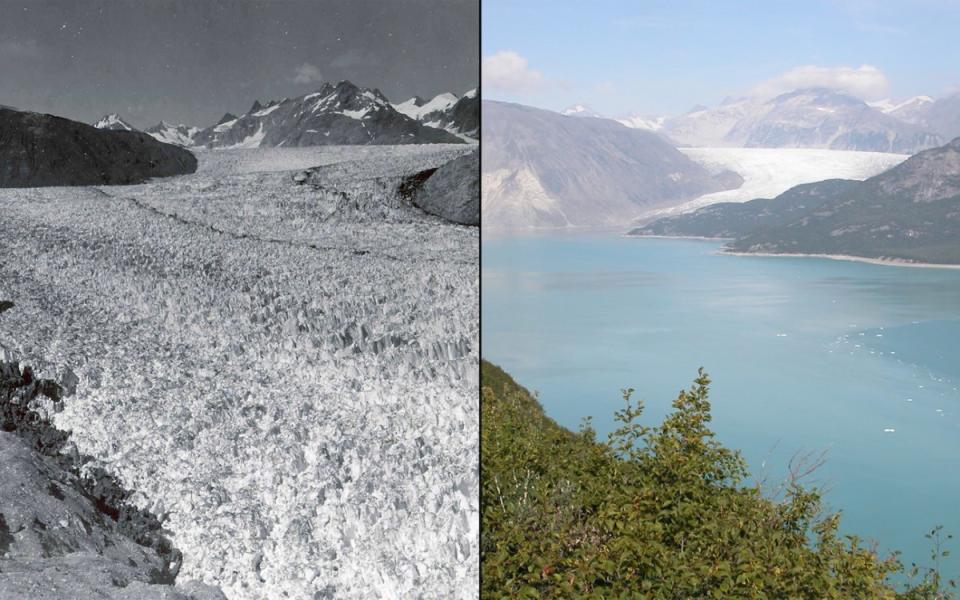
(452,192)
(43,150)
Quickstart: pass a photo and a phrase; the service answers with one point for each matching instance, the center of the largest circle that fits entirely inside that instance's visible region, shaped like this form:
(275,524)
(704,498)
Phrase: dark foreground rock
(452,192)
(43,150)
(68,530)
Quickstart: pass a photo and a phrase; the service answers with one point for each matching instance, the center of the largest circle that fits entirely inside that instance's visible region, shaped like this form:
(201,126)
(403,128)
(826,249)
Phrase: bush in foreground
(653,512)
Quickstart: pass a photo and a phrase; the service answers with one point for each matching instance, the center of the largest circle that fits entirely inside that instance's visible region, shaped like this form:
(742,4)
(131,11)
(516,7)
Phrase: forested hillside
(656,512)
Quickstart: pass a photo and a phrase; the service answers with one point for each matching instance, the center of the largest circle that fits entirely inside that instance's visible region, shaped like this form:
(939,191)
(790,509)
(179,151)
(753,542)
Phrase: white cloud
(866,82)
(508,71)
(307,73)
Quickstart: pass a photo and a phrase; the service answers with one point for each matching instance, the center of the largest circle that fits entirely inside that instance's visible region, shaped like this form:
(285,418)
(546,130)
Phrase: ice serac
(543,169)
(336,114)
(44,150)
(909,213)
(804,118)
(452,192)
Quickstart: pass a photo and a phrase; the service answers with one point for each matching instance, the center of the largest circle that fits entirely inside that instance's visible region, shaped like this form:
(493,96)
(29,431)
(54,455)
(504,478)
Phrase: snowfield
(288,371)
(768,172)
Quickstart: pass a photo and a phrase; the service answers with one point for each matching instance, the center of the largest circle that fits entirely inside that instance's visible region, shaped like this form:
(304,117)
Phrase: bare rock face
(452,192)
(43,150)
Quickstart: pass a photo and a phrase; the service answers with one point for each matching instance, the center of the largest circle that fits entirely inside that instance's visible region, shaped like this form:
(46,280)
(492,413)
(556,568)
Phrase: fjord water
(805,355)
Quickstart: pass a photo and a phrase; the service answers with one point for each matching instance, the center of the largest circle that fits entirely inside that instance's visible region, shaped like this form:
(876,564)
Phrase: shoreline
(886,262)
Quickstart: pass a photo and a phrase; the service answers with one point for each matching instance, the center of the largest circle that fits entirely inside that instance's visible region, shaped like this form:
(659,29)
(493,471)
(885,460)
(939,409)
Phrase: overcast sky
(189,61)
(666,56)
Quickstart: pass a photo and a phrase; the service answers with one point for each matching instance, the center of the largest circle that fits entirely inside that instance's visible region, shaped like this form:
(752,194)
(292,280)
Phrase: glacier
(285,367)
(768,172)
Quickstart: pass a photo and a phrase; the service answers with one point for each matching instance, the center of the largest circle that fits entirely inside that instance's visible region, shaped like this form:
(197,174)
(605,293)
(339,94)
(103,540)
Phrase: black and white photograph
(239,299)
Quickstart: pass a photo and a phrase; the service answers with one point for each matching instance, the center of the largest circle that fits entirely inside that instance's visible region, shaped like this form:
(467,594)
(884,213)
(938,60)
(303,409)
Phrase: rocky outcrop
(67,529)
(452,191)
(43,150)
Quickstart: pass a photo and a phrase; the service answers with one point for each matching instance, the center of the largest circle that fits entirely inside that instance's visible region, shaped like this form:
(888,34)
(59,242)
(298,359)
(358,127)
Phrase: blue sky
(664,57)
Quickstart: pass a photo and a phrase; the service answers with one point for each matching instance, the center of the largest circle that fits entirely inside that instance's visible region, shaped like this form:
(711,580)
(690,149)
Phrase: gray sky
(189,61)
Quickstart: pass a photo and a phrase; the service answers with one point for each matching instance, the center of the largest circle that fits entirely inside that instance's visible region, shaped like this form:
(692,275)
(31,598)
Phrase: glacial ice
(288,371)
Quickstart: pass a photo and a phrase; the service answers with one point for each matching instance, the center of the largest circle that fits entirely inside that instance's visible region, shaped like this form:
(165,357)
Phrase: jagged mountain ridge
(340,113)
(804,118)
(457,115)
(179,135)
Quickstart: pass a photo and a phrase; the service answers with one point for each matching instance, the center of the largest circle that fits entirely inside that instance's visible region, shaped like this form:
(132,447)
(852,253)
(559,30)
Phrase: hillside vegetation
(655,512)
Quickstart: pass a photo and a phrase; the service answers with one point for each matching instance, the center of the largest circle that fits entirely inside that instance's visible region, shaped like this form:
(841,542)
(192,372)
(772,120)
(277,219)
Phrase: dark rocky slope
(67,530)
(44,150)
(452,192)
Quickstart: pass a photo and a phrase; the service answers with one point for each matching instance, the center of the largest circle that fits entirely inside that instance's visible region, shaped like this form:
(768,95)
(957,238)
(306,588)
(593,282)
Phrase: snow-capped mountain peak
(457,115)
(333,114)
(418,108)
(648,122)
(580,110)
(815,117)
(178,135)
(889,106)
(114,122)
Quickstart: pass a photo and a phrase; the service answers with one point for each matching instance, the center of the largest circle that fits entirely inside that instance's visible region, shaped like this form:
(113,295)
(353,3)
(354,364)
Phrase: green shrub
(653,512)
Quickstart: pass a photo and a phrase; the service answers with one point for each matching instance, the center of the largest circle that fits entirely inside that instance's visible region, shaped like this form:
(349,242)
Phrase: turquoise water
(805,355)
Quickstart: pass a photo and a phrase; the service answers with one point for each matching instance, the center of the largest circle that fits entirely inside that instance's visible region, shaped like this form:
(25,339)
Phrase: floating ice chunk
(781,335)
(889,430)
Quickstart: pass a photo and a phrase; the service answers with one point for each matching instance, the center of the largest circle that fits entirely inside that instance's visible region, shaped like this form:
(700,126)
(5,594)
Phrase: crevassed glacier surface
(288,371)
